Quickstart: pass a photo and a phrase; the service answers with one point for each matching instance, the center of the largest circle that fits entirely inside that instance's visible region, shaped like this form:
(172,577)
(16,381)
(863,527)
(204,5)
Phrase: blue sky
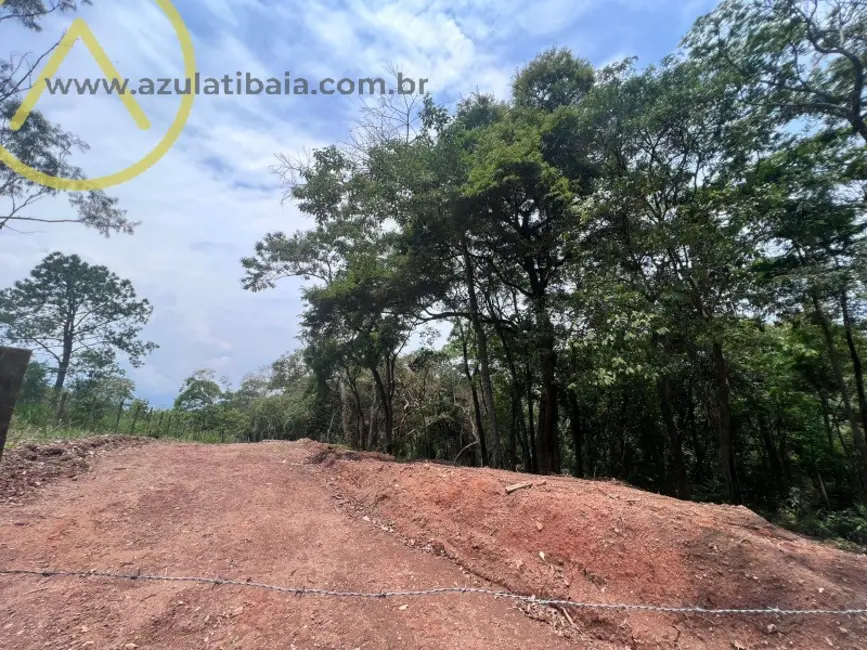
(204,205)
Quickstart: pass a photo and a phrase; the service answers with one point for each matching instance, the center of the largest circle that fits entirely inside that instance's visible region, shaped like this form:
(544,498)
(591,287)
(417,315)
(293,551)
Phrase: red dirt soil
(28,467)
(300,514)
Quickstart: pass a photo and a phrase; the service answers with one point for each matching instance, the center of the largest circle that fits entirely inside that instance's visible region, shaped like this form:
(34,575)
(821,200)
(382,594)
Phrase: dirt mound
(30,466)
(265,513)
(330,454)
(249,512)
(606,543)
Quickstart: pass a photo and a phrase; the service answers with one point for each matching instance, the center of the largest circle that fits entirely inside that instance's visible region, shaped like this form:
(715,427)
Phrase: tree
(528,172)
(35,387)
(199,391)
(552,79)
(814,206)
(99,388)
(40,144)
(73,312)
(801,58)
(651,274)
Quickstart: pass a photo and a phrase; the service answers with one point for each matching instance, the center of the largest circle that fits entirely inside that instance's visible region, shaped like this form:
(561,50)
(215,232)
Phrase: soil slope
(601,542)
(298,514)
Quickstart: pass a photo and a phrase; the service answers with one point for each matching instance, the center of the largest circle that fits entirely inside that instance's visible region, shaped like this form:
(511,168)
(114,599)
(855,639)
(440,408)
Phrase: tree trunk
(826,418)
(590,442)
(856,357)
(773,457)
(480,429)
(371,425)
(722,415)
(692,427)
(495,459)
(63,366)
(61,375)
(349,432)
(477,411)
(520,424)
(119,415)
(387,410)
(547,441)
(834,357)
(61,409)
(842,440)
(577,432)
(364,442)
(823,491)
(783,454)
(675,438)
(511,458)
(531,429)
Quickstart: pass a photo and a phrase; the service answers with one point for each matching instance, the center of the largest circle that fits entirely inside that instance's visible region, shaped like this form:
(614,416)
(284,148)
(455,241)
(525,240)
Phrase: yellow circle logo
(80,30)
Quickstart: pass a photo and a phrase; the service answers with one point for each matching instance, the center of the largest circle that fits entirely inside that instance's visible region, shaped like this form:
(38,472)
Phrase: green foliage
(797,59)
(76,314)
(648,274)
(34,388)
(199,392)
(553,79)
(847,527)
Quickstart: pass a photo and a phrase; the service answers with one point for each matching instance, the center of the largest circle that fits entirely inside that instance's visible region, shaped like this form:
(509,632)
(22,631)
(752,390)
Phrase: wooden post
(135,417)
(169,425)
(13,365)
(159,424)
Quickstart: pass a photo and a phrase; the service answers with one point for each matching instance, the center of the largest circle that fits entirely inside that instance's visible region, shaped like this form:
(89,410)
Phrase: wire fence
(436,591)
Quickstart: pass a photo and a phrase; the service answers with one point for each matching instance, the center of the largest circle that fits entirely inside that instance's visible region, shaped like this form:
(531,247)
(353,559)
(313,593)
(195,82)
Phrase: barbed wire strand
(307,591)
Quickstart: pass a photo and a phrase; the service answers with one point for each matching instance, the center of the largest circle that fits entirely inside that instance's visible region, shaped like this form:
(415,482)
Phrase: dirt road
(242,511)
(303,514)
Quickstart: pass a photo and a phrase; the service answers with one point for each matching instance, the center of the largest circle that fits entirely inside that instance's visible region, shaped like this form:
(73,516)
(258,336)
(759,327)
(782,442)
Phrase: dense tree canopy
(653,273)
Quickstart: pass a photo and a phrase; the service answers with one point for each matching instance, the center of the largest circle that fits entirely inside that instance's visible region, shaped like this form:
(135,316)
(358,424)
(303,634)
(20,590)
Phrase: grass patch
(25,432)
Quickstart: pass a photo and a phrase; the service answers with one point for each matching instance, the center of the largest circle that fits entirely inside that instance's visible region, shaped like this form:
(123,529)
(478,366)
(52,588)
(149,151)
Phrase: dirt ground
(299,514)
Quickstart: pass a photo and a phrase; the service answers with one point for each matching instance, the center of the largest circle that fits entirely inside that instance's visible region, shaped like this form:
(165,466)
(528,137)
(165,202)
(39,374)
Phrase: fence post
(13,365)
(135,417)
(169,425)
(159,424)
